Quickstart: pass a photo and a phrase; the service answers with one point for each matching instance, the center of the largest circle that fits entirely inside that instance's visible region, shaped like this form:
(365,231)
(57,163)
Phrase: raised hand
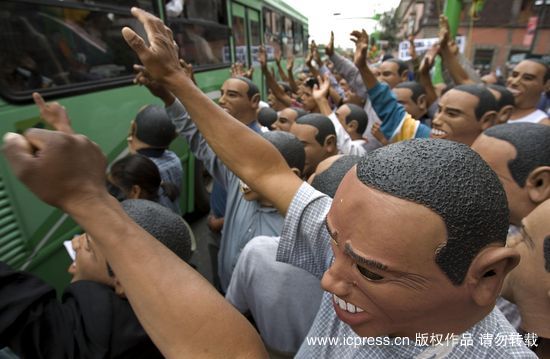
(262,57)
(320,91)
(161,56)
(429,59)
(444,31)
(53,113)
(361,40)
(377,133)
(39,159)
(290,63)
(329,49)
(143,77)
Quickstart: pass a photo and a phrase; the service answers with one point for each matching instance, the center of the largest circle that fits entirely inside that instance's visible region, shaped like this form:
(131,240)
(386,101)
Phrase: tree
(389,29)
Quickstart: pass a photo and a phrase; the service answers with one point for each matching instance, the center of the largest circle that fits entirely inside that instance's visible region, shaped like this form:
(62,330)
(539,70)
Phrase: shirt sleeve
(197,143)
(350,72)
(397,124)
(305,242)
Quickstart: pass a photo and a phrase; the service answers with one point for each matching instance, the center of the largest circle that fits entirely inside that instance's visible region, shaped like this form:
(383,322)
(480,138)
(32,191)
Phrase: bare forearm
(456,71)
(282,72)
(426,81)
(181,320)
(274,87)
(292,82)
(324,106)
(368,77)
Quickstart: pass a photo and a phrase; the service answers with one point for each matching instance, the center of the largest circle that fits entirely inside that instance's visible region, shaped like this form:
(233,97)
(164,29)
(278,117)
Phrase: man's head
(318,135)
(292,151)
(527,81)
(287,117)
(160,222)
(306,95)
(440,267)
(393,71)
(330,172)
(464,112)
(151,128)
(412,96)
(267,117)
(354,120)
(240,98)
(528,285)
(519,153)
(505,102)
(134,176)
(273,101)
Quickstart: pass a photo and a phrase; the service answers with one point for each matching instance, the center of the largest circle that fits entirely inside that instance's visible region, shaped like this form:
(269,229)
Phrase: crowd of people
(364,212)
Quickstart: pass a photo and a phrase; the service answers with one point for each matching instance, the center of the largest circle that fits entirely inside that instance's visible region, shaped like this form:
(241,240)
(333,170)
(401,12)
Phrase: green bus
(72,51)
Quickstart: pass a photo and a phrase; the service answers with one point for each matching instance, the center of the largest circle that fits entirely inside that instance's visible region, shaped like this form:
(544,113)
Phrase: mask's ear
(135,192)
(330,144)
(487,272)
(538,184)
(297,172)
(489,119)
(255,100)
(505,113)
(421,102)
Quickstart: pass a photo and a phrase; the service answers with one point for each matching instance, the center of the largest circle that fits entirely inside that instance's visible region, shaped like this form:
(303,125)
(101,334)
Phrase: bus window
(125,4)
(288,39)
(255,37)
(201,44)
(298,40)
(202,33)
(52,48)
(272,33)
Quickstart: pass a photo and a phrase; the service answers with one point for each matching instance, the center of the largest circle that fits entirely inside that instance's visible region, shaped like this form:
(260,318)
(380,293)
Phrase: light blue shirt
(244,219)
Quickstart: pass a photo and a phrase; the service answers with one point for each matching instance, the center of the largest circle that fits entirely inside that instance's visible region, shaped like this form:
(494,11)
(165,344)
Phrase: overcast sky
(353,14)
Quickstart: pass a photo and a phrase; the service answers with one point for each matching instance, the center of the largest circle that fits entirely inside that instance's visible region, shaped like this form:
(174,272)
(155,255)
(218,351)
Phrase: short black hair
(546,67)
(506,96)
(267,116)
(154,127)
(486,99)
(532,144)
(329,180)
(322,123)
(416,89)
(454,182)
(401,65)
(135,169)
(299,111)
(286,87)
(356,113)
(289,146)
(252,88)
(163,224)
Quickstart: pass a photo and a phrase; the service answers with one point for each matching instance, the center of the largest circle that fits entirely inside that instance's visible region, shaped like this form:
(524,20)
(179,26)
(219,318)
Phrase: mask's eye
(371,276)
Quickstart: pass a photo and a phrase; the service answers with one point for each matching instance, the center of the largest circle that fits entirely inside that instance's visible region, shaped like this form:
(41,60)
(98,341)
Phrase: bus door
(245,23)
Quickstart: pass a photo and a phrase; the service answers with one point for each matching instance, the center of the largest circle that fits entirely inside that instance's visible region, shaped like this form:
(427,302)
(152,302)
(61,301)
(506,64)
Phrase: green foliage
(389,28)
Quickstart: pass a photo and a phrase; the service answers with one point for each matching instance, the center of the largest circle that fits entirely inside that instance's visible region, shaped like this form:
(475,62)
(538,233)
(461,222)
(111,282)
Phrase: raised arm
(53,113)
(68,171)
(290,74)
(270,79)
(397,124)
(282,72)
(424,77)
(450,60)
(251,158)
